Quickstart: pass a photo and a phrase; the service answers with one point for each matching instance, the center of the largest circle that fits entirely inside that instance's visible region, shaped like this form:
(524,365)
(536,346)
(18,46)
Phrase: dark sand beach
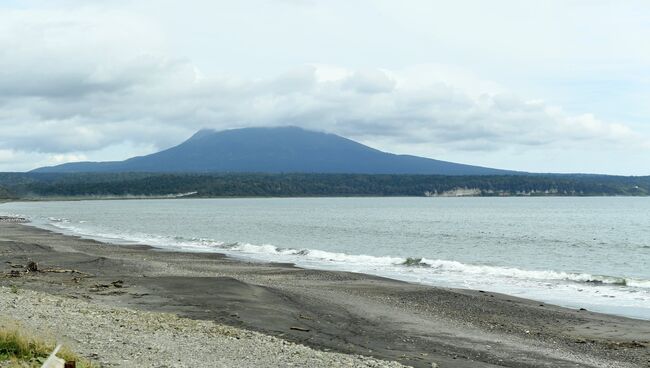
(342,312)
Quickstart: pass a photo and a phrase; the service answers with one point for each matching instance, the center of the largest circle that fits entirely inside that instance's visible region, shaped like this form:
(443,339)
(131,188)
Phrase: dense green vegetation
(31,185)
(4,193)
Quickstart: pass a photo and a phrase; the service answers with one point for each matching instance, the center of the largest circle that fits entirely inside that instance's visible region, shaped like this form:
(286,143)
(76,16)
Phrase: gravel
(121,337)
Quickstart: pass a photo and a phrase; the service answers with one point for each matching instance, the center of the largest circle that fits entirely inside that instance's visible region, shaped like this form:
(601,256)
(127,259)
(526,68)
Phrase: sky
(546,86)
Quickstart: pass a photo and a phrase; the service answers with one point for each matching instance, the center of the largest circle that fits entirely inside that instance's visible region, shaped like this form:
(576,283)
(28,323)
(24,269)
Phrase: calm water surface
(578,252)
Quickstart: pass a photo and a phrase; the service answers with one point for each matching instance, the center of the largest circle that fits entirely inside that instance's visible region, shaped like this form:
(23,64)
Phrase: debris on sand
(31,267)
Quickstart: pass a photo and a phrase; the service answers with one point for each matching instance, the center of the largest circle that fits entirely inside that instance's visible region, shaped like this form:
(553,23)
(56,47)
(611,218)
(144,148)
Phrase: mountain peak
(202,133)
(285,149)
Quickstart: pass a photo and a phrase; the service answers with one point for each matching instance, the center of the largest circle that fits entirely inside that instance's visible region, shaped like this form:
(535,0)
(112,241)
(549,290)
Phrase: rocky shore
(122,337)
(135,306)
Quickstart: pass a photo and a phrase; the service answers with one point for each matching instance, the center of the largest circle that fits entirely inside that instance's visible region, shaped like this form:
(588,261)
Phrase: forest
(44,186)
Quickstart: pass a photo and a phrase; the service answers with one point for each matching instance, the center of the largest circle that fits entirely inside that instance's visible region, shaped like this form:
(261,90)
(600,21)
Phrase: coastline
(345,312)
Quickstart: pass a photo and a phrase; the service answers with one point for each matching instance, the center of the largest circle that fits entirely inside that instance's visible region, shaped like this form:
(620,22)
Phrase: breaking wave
(435,266)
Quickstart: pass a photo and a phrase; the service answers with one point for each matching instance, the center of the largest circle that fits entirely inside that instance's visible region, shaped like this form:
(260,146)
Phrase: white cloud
(92,83)
(6,155)
(59,159)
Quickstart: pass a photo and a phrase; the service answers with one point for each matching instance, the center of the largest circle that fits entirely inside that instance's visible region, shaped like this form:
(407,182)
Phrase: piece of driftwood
(299,329)
(31,267)
(61,270)
(15,273)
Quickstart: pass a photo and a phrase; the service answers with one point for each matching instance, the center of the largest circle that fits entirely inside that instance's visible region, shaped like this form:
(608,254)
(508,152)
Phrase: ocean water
(576,252)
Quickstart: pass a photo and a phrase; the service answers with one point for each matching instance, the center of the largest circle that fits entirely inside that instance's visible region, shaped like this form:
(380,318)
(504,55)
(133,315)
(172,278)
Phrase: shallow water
(579,252)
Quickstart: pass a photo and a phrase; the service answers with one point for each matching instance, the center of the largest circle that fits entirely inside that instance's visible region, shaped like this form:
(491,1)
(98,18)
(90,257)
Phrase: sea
(578,252)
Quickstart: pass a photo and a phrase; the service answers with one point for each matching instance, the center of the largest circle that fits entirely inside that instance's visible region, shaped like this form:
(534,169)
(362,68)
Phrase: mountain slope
(275,150)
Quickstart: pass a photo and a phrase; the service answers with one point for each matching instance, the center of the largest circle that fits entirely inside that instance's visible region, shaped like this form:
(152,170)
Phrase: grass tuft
(20,350)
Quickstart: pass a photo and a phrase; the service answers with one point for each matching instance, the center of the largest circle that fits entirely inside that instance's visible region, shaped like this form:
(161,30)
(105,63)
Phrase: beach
(287,315)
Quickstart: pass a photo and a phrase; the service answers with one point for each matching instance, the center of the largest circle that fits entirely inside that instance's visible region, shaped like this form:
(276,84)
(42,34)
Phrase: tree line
(31,185)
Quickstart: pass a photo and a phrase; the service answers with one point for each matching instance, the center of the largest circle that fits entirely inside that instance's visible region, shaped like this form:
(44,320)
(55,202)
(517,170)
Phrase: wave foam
(438,266)
(511,272)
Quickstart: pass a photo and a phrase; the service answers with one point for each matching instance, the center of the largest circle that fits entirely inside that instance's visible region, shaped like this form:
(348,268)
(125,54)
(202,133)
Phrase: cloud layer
(76,86)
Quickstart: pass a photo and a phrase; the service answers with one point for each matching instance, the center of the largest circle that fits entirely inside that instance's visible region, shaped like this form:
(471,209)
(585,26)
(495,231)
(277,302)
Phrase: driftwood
(102,287)
(15,273)
(31,266)
(299,329)
(61,270)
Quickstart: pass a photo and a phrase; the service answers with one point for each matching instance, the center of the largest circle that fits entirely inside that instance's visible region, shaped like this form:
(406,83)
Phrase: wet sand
(344,312)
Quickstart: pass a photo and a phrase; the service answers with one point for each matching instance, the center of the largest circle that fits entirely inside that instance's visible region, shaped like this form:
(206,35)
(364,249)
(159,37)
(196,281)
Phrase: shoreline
(167,197)
(631,312)
(330,310)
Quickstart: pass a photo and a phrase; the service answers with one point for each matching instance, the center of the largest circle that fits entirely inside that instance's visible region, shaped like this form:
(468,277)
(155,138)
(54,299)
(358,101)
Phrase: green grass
(20,350)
